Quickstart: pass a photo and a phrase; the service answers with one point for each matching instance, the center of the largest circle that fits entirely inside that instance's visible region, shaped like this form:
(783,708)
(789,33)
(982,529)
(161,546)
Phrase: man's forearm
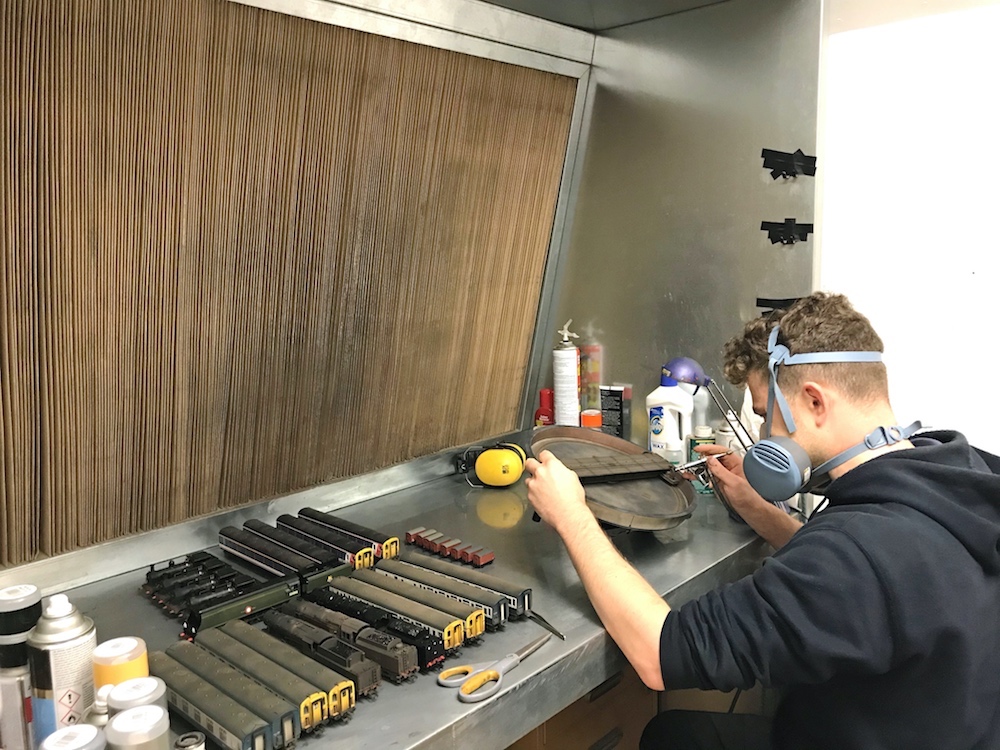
(769,521)
(630,609)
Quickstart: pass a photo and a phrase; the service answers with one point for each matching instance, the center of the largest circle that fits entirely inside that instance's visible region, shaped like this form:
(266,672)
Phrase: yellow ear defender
(499,465)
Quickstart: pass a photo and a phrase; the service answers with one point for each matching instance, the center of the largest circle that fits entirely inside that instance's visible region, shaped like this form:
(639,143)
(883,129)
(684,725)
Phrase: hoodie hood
(944,478)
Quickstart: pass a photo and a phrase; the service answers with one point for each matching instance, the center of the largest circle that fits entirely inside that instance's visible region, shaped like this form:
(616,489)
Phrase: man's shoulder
(864,518)
(895,540)
(858,518)
(869,528)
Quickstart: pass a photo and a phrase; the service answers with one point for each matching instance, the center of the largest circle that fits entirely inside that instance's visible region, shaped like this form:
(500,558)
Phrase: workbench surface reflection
(705,551)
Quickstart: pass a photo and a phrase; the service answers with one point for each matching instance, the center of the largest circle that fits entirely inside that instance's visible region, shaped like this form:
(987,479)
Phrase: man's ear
(817,400)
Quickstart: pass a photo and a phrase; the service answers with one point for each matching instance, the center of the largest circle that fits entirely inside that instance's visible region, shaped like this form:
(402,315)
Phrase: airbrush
(699,467)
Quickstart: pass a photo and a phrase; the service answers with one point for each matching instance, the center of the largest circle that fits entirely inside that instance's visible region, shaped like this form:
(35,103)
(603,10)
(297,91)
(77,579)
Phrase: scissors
(477,682)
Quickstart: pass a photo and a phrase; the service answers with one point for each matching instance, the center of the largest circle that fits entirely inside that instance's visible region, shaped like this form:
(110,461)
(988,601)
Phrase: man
(881,615)
(746,360)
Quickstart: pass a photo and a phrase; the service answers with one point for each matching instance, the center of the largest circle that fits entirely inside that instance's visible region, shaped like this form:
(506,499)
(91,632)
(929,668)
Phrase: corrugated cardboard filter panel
(244,254)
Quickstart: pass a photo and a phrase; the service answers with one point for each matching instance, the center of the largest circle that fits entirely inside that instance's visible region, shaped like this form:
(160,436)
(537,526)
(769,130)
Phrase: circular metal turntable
(640,504)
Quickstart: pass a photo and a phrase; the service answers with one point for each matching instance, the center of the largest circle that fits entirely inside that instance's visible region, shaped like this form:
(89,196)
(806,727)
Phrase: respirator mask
(778,468)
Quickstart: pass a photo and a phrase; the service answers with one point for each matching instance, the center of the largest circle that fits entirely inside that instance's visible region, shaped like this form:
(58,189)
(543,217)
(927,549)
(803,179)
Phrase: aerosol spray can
(566,378)
(591,369)
(20,608)
(60,649)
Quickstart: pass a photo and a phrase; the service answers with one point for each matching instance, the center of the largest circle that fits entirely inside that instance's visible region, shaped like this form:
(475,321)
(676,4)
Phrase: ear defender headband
(777,467)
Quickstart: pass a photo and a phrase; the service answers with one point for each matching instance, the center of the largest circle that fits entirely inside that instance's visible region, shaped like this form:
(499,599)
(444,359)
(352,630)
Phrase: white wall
(908,202)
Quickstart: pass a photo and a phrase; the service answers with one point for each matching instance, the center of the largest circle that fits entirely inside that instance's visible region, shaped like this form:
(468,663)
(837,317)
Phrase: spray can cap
(60,621)
(702,431)
(566,333)
(58,605)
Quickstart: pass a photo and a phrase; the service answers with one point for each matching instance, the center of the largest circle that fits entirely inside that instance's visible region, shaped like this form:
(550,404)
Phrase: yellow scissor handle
(472,688)
(456,675)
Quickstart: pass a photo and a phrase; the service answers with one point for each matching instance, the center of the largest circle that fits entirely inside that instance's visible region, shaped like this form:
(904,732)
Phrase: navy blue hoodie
(881,616)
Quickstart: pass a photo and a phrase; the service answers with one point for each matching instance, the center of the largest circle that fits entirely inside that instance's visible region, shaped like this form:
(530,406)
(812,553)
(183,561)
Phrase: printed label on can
(15,710)
(72,692)
(44,712)
(566,384)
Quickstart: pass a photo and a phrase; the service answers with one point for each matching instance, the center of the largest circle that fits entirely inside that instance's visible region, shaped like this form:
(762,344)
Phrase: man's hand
(772,523)
(727,471)
(555,492)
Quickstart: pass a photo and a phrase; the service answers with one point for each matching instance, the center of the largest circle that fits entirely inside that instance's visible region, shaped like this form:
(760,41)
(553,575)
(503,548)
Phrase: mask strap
(877,438)
(780,355)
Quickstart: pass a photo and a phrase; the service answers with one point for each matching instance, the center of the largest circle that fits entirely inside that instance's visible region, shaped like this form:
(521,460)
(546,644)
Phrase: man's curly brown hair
(821,322)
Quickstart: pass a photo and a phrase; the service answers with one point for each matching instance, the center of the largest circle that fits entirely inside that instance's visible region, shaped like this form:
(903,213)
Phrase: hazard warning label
(67,701)
(68,697)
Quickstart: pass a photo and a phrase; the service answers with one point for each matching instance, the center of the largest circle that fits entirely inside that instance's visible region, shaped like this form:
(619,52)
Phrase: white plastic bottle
(669,409)
(674,452)
(701,402)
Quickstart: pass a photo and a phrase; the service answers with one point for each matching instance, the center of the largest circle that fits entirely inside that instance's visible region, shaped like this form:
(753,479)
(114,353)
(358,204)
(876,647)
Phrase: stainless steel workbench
(706,550)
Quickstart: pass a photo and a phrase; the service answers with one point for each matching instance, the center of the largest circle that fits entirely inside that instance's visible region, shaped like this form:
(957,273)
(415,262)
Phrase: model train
(397,659)
(327,649)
